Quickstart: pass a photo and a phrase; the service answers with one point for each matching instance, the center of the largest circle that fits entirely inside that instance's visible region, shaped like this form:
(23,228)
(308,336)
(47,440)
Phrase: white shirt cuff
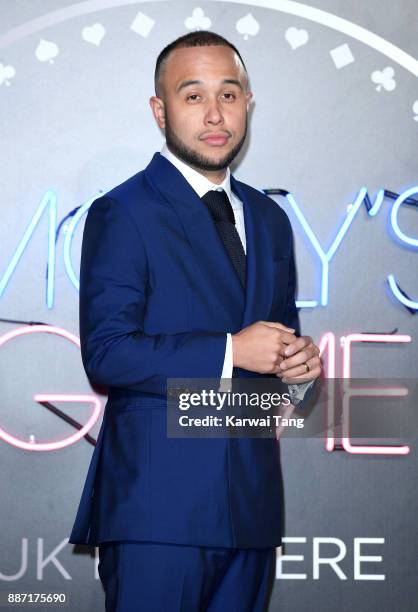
(225,385)
(228,359)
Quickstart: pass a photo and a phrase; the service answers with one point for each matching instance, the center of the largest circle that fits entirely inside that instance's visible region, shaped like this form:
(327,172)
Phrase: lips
(216,139)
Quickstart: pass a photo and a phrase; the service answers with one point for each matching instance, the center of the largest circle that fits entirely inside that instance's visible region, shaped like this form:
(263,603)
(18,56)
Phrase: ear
(248,97)
(158,110)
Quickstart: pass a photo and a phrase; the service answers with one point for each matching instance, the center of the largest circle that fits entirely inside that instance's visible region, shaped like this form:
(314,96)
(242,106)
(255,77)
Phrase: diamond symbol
(142,24)
(342,56)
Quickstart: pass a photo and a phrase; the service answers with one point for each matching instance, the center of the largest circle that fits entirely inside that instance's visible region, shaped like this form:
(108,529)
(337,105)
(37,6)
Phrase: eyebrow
(188,82)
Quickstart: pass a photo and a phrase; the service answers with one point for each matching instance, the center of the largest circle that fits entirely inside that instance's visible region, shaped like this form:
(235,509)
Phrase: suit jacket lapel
(260,270)
(212,260)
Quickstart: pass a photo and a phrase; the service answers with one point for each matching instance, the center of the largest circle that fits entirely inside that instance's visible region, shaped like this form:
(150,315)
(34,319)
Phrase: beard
(193,158)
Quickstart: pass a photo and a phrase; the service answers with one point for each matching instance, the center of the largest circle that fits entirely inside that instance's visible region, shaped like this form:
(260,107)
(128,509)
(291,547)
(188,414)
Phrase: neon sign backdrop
(53,397)
(49,203)
(49,200)
(327,345)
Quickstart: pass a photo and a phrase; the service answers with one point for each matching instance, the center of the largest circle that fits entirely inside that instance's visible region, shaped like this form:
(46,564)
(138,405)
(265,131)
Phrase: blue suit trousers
(159,577)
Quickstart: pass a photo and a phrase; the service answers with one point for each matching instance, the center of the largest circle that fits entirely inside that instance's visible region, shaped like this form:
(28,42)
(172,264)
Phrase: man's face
(203,106)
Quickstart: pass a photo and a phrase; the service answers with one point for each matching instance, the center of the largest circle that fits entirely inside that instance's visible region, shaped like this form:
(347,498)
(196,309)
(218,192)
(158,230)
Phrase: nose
(213,113)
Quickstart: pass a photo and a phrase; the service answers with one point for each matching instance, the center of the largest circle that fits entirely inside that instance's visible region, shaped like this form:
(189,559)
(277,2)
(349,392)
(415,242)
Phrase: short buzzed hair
(199,38)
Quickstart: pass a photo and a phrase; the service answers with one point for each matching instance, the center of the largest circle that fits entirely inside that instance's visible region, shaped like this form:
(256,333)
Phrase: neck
(215,176)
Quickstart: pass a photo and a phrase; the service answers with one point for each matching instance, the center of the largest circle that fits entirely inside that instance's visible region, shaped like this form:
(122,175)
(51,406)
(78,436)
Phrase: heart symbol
(296,38)
(93,34)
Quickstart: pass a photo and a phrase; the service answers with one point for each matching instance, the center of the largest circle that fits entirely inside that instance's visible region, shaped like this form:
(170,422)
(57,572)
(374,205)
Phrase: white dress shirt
(202,185)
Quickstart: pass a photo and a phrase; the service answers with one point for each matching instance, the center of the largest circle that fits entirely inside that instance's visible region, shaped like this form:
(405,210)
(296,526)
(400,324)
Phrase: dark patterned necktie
(223,216)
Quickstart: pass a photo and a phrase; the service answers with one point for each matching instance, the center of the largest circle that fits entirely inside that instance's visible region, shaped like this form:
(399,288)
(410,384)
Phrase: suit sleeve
(299,393)
(291,315)
(113,298)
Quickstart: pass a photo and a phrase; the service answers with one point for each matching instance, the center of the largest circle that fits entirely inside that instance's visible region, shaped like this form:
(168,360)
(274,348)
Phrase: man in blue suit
(187,272)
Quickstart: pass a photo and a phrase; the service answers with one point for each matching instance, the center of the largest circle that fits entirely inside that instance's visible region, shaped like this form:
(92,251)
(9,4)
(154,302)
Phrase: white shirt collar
(199,182)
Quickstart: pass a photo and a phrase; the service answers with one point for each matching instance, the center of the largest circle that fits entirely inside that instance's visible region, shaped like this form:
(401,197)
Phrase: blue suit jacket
(157,295)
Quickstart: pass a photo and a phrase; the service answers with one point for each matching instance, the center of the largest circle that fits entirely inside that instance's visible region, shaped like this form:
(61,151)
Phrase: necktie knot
(219,205)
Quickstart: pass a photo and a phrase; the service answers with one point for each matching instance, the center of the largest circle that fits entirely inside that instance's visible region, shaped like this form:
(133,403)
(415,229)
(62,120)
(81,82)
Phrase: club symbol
(415,110)
(197,20)
(6,73)
(384,78)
